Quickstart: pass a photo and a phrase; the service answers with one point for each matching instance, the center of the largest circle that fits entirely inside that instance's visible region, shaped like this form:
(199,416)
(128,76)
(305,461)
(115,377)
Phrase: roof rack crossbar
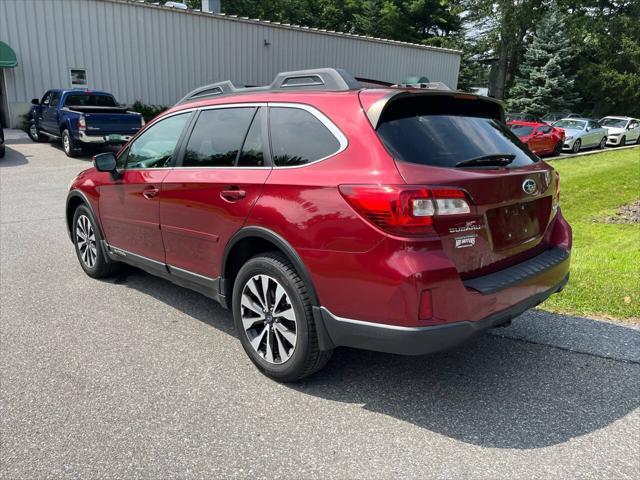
(323,79)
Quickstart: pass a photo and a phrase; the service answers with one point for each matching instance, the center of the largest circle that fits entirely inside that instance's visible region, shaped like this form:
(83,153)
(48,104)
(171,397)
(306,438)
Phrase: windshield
(448,140)
(90,100)
(613,122)
(521,130)
(570,124)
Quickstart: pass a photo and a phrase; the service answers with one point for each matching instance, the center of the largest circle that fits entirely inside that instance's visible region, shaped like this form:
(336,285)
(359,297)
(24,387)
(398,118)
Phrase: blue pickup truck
(80,118)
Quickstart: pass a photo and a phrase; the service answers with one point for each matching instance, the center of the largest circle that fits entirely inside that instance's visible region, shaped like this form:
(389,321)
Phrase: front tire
(623,141)
(273,316)
(576,146)
(34,133)
(71,148)
(557,149)
(87,241)
(603,143)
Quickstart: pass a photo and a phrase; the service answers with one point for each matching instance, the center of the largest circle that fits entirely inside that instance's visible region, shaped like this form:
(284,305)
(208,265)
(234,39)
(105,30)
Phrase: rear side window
(252,154)
(443,140)
(298,137)
(217,137)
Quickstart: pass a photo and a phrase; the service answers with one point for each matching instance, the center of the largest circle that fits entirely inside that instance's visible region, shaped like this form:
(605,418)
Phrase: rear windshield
(446,140)
(521,130)
(90,100)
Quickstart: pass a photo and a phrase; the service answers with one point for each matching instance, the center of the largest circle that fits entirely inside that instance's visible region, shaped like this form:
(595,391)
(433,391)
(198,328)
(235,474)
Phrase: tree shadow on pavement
(496,391)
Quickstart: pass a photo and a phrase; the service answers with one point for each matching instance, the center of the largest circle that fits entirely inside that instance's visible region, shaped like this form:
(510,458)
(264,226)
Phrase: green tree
(543,83)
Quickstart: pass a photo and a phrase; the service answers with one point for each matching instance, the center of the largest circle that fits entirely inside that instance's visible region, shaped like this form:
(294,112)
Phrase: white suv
(621,130)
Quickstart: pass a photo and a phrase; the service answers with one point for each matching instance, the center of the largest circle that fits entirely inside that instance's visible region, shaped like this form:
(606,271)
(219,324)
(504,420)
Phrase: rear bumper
(336,331)
(102,139)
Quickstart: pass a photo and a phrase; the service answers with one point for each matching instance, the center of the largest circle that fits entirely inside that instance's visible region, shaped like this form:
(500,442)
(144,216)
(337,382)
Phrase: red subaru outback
(324,214)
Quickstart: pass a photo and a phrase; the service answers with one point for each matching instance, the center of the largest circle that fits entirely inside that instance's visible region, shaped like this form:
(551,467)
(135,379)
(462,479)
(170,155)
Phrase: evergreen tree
(543,83)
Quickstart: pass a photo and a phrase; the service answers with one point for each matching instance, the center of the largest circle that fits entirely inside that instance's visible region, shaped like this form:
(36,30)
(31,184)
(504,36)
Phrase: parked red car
(324,214)
(541,138)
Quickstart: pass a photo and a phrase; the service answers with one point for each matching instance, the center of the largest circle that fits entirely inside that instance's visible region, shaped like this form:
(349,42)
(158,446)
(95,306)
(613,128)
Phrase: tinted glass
(544,129)
(155,147)
(297,137)
(55,99)
(446,140)
(46,98)
(252,154)
(90,100)
(521,130)
(217,137)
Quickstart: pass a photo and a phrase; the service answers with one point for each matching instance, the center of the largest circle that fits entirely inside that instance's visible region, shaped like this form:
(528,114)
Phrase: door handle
(233,195)
(150,192)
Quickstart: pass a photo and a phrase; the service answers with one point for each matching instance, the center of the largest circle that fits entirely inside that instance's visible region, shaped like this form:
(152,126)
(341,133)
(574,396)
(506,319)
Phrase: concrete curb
(591,152)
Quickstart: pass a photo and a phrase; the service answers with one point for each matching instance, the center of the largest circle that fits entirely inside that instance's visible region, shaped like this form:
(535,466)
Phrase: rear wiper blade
(499,159)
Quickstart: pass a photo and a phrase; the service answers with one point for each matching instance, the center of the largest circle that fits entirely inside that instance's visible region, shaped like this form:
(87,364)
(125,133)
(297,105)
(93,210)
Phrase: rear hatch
(460,142)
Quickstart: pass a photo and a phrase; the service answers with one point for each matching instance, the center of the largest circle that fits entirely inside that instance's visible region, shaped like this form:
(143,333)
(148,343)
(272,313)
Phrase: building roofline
(285,26)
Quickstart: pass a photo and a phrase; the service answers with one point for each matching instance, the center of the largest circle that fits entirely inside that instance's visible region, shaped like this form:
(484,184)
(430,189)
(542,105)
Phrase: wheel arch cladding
(252,241)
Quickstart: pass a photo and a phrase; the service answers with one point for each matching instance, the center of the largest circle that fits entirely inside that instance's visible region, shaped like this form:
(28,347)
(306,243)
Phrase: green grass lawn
(605,264)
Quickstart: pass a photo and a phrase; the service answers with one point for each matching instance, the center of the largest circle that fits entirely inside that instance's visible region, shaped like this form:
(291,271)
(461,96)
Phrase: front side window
(544,129)
(55,99)
(156,146)
(298,137)
(46,99)
(570,124)
(217,137)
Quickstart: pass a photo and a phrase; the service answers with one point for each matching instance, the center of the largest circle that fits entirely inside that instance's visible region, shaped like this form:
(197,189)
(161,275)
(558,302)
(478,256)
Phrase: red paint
(540,141)
(358,269)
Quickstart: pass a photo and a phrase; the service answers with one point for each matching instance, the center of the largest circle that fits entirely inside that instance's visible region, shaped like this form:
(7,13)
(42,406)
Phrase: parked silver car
(622,130)
(581,133)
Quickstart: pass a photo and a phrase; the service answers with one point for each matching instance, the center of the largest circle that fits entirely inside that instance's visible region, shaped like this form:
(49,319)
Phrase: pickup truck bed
(81,118)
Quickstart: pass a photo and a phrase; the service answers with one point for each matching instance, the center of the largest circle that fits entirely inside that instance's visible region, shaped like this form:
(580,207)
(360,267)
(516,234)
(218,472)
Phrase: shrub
(148,111)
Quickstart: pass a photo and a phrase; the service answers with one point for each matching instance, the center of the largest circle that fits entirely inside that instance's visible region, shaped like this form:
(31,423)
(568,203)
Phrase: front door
(50,114)
(210,193)
(130,205)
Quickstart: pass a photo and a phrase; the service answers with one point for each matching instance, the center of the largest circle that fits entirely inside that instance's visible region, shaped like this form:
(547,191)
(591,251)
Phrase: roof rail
(426,86)
(322,79)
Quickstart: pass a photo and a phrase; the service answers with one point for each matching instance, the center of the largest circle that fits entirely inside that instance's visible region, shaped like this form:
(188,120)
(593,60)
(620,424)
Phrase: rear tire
(34,133)
(2,151)
(69,145)
(274,319)
(576,146)
(87,241)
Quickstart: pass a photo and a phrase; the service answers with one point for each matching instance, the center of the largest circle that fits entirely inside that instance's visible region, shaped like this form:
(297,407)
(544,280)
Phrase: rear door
(130,205)
(208,196)
(508,189)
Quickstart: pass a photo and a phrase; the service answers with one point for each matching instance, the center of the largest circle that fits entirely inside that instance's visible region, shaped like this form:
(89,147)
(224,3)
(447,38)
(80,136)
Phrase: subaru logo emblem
(529,186)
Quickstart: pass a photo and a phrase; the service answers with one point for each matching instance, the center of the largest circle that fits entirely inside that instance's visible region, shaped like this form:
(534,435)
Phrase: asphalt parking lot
(137,378)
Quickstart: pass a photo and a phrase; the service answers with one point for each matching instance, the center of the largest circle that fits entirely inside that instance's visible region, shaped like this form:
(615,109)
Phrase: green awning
(7,56)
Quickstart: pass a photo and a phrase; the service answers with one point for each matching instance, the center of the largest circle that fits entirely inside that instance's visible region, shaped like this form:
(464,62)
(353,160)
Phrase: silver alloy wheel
(603,143)
(576,146)
(86,241)
(66,143)
(33,130)
(268,319)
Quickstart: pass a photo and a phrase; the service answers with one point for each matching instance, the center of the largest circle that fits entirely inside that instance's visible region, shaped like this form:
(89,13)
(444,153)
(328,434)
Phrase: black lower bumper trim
(415,340)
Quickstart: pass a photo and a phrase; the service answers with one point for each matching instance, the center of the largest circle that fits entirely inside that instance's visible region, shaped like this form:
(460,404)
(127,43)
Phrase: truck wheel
(273,317)
(69,145)
(34,133)
(2,151)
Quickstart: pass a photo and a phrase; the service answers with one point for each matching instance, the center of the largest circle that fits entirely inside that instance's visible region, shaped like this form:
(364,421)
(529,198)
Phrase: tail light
(82,123)
(556,196)
(402,209)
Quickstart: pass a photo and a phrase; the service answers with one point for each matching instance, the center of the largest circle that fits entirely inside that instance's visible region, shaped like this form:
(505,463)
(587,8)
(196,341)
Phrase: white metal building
(140,51)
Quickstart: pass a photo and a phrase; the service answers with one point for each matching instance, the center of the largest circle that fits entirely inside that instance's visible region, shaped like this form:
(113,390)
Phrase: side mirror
(106,162)
(35,101)
(588,129)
